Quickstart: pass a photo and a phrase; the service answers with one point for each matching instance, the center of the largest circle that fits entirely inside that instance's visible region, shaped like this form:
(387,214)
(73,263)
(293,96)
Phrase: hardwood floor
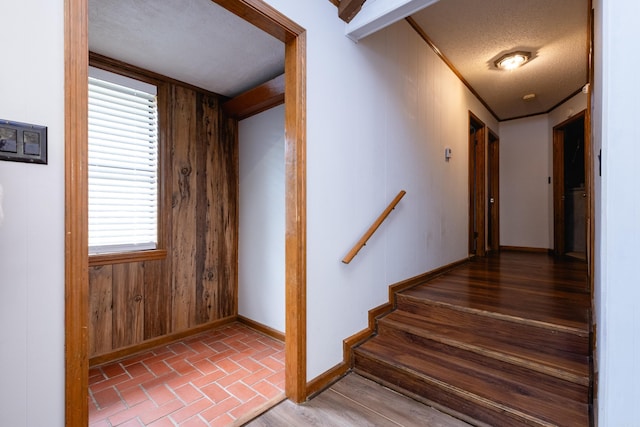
(356,401)
(502,340)
(525,285)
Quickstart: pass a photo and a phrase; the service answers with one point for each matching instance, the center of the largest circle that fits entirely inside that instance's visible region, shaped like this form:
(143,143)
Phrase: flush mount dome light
(513,60)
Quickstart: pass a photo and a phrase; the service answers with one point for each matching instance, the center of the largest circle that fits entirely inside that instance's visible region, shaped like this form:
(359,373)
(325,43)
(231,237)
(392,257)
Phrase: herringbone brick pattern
(212,379)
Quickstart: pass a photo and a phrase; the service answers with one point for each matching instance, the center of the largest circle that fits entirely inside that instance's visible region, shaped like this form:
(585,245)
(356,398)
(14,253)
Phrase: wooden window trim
(124,257)
(164,197)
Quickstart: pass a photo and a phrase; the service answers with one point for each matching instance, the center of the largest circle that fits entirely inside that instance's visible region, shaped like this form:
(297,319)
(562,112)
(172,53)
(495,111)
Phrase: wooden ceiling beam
(256,100)
(263,16)
(348,9)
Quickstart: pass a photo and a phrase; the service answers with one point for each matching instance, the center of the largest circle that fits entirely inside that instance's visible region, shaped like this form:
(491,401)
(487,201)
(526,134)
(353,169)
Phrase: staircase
(499,341)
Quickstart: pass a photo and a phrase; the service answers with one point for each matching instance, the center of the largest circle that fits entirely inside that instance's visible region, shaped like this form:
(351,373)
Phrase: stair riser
(522,374)
(472,381)
(403,382)
(557,342)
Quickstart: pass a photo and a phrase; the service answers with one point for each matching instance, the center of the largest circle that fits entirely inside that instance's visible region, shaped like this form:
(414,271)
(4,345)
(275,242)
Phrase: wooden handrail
(363,240)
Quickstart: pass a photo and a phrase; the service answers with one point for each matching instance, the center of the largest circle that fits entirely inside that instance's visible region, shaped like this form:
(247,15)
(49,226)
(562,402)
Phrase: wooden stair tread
(576,371)
(572,278)
(576,329)
(566,284)
(558,297)
(561,340)
(566,312)
(497,389)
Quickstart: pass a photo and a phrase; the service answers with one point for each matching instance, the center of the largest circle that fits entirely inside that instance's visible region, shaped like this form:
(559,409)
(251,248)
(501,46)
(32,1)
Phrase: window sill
(124,257)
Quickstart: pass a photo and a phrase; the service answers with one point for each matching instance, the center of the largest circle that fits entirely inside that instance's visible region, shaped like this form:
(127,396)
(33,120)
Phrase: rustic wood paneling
(183,260)
(128,304)
(157,299)
(225,207)
(195,282)
(100,309)
(216,276)
(206,271)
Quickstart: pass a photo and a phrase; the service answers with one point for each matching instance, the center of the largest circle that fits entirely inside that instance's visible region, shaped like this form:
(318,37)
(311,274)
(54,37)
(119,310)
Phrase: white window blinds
(123,164)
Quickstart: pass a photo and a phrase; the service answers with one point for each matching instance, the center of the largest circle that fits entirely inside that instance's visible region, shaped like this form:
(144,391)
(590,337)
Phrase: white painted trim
(377,14)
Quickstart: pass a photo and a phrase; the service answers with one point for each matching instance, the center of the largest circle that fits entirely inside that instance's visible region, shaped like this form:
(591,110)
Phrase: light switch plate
(23,142)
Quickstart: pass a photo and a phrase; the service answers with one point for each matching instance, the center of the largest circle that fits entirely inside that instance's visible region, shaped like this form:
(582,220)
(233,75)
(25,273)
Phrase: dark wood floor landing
(530,286)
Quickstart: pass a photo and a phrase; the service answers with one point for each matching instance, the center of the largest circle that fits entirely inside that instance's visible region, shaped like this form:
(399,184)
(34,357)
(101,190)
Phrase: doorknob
(491,200)
(584,194)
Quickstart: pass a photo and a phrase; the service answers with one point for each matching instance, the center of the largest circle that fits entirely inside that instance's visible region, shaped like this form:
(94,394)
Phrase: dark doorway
(570,191)
(493,169)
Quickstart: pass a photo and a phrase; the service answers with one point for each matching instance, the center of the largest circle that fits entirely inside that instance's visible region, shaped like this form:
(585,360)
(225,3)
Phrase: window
(123,164)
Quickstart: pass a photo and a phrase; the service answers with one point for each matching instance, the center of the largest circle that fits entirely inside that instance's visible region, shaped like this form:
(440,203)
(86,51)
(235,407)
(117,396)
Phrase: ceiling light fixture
(513,60)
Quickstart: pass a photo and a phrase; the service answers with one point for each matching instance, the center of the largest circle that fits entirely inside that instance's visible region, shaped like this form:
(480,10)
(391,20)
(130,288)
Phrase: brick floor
(211,379)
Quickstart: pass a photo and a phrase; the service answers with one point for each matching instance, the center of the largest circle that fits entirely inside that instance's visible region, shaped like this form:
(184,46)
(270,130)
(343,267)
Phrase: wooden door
(558,191)
(477,174)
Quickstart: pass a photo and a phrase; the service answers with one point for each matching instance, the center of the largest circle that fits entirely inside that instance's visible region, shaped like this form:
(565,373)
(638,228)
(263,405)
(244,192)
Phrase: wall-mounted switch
(22,142)
(447,154)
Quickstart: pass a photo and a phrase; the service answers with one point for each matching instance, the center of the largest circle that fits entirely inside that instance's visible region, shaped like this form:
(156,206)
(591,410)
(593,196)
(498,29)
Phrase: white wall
(261,261)
(596,143)
(358,128)
(32,235)
(526,163)
(525,168)
(563,112)
(379,116)
(617,289)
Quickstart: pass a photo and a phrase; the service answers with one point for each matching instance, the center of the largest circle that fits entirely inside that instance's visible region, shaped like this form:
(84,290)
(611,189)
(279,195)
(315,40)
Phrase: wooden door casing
(559,196)
(493,201)
(477,184)
(76,43)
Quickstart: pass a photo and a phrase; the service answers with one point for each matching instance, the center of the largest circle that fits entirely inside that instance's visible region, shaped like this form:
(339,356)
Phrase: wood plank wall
(196,283)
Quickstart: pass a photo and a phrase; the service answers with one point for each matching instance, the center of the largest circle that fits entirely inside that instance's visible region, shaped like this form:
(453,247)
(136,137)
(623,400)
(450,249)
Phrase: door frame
(477,186)
(559,243)
(493,196)
(76,49)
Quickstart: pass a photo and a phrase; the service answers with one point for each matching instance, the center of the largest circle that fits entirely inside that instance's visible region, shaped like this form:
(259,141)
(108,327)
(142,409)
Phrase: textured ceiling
(472,34)
(195,41)
(201,43)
